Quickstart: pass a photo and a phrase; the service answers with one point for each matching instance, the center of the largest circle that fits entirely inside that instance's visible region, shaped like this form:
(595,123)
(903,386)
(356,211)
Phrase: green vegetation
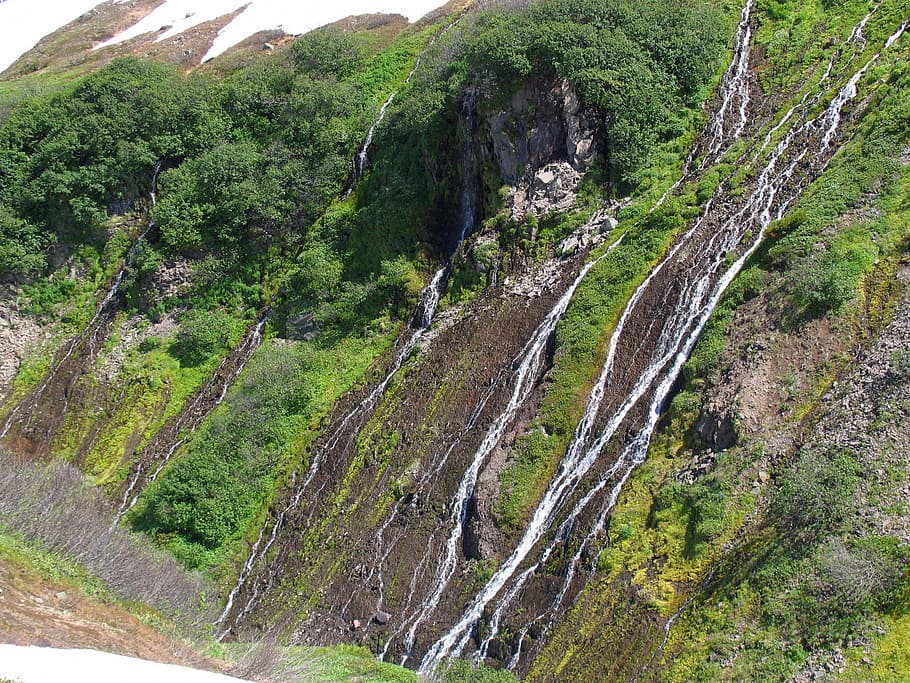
(51,566)
(638,63)
(808,576)
(459,671)
(212,495)
(248,215)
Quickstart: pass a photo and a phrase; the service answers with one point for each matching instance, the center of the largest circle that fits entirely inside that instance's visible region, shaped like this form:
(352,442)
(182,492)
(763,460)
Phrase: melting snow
(24,22)
(44,664)
(260,15)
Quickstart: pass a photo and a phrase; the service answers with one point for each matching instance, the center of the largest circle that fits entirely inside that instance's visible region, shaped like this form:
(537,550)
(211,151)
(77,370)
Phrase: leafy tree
(202,334)
(23,246)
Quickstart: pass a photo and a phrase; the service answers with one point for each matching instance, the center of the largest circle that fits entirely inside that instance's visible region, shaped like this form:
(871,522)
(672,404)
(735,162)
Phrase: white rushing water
(701,286)
(361,159)
(90,332)
(716,135)
(734,91)
(528,365)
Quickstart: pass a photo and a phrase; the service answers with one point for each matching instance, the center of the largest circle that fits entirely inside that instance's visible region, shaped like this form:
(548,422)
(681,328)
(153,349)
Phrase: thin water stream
(697,267)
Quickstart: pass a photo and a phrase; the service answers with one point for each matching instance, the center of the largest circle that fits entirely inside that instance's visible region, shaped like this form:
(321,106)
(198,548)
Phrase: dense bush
(202,334)
(639,63)
(65,159)
(23,246)
(206,497)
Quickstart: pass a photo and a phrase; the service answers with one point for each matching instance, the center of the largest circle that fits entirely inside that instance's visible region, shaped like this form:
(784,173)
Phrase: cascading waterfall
(155,457)
(634,454)
(89,336)
(361,159)
(527,365)
(701,283)
(428,301)
(735,92)
(734,85)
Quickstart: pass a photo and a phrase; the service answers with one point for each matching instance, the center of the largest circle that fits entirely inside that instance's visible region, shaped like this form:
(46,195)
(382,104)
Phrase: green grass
(50,566)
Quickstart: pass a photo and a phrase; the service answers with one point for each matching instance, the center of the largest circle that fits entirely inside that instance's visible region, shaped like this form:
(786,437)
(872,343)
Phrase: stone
(499,650)
(543,142)
(303,327)
(382,617)
(355,625)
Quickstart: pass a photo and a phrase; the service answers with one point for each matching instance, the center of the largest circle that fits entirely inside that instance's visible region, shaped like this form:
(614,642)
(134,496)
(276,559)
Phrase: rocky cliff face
(543,478)
(542,143)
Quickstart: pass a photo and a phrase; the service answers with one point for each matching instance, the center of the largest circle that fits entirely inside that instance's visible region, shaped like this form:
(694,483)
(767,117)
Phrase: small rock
(355,625)
(61,595)
(382,617)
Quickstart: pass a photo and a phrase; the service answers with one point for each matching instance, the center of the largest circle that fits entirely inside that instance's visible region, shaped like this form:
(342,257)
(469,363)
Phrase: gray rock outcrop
(542,142)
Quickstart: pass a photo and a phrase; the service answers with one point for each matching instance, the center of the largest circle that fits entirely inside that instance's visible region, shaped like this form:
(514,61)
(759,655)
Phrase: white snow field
(24,22)
(50,665)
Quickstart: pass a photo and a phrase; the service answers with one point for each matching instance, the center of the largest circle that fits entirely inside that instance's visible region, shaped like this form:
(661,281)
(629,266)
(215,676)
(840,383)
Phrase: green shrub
(202,334)
(817,495)
(460,671)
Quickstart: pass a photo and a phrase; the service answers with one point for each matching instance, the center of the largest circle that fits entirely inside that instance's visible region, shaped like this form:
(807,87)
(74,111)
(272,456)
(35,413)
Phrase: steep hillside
(563,337)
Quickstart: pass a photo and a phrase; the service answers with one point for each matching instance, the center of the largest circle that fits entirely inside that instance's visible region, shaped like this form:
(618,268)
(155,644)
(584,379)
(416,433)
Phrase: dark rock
(717,430)
(543,142)
(303,327)
(499,650)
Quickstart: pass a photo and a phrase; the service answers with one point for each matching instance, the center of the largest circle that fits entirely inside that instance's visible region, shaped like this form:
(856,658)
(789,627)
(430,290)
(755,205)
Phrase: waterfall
(734,84)
(696,268)
(735,93)
(528,365)
(89,337)
(349,424)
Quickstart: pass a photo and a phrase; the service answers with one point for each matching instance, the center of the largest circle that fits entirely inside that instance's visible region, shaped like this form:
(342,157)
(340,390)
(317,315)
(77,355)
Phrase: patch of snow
(24,22)
(44,664)
(260,15)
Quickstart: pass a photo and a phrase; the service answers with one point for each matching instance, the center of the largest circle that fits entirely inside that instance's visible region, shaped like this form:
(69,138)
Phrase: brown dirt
(35,610)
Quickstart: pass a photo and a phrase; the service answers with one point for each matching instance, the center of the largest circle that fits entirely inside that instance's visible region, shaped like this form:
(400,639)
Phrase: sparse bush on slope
(53,506)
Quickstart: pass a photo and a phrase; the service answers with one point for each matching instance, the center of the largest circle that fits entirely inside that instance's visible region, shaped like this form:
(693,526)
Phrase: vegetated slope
(761,540)
(491,470)
(71,578)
